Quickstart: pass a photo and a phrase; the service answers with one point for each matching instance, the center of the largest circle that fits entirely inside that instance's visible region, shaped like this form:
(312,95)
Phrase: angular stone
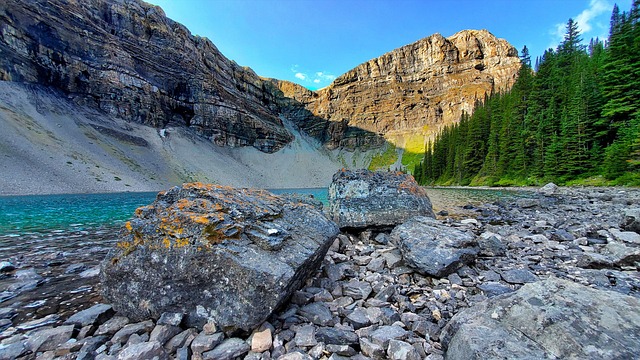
(183,339)
(492,289)
(518,276)
(625,236)
(49,339)
(433,248)
(552,318)
(6,266)
(335,336)
(357,289)
(228,350)
(170,318)
(122,335)
(491,245)
(342,350)
(232,256)
(400,350)
(548,189)
(306,336)
(384,334)
(89,347)
(12,351)
(112,325)
(261,340)
(162,333)
(358,318)
(631,220)
(143,350)
(95,315)
(372,350)
(360,199)
(318,313)
(204,342)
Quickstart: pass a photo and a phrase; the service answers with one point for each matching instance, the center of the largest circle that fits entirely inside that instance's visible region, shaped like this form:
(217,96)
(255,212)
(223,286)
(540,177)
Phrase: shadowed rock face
(415,89)
(217,254)
(128,59)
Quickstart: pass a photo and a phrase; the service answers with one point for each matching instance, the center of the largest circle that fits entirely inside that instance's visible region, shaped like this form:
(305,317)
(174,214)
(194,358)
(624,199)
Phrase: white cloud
(301,76)
(317,81)
(324,76)
(585,22)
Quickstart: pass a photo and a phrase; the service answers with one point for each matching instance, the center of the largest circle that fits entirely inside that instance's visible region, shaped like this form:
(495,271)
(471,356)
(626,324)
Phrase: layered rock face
(418,88)
(217,254)
(127,58)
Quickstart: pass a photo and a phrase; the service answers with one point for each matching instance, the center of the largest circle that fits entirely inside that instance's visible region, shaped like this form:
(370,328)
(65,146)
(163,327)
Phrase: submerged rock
(550,319)
(360,199)
(217,254)
(433,248)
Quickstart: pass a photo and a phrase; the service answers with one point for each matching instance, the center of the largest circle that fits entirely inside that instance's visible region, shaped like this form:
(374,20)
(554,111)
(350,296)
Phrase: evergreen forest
(571,118)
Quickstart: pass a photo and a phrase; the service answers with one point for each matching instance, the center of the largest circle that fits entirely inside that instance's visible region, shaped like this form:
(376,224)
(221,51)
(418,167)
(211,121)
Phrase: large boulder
(550,319)
(216,254)
(433,248)
(361,199)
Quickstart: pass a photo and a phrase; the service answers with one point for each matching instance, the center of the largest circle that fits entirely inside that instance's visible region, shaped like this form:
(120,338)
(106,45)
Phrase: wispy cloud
(586,21)
(314,79)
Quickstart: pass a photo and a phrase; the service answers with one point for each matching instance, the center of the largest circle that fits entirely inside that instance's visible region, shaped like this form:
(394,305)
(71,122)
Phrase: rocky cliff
(410,93)
(128,59)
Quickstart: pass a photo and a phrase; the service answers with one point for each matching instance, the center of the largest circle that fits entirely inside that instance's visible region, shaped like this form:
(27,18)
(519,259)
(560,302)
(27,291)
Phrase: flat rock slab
(217,254)
(550,319)
(360,199)
(433,248)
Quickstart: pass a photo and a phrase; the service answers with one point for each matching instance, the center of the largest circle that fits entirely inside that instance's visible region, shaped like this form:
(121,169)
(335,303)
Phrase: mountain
(140,75)
(409,94)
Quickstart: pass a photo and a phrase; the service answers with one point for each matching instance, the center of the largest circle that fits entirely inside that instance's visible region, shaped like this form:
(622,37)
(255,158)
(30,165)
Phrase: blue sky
(310,42)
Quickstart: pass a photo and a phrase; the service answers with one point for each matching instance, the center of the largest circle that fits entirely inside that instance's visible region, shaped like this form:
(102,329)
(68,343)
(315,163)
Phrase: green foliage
(575,120)
(385,159)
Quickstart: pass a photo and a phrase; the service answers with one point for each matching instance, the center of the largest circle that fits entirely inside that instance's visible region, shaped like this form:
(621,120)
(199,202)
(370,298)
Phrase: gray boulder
(548,189)
(631,220)
(550,319)
(216,254)
(361,199)
(433,248)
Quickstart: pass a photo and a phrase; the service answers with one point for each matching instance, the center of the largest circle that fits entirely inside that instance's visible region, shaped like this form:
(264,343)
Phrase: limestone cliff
(128,59)
(408,94)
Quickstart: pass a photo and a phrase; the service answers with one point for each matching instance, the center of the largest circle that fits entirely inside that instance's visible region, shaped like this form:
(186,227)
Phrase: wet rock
(553,318)
(360,199)
(432,248)
(228,350)
(48,339)
(144,350)
(95,315)
(210,242)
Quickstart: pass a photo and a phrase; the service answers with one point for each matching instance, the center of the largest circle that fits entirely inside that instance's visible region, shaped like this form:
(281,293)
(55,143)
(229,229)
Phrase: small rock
(170,318)
(492,289)
(625,236)
(318,313)
(144,350)
(228,350)
(518,276)
(49,339)
(122,335)
(33,324)
(400,350)
(384,334)
(548,189)
(372,350)
(306,335)
(75,268)
(204,342)
(261,340)
(357,289)
(162,333)
(91,272)
(112,325)
(95,315)
(6,266)
(335,336)
(181,340)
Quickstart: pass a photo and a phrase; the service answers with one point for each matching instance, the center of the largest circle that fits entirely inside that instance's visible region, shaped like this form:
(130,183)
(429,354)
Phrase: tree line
(573,117)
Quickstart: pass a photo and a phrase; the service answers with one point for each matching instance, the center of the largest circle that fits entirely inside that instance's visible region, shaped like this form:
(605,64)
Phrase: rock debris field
(551,275)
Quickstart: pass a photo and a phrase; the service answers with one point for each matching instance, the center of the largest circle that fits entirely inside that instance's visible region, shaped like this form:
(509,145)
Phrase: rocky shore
(550,263)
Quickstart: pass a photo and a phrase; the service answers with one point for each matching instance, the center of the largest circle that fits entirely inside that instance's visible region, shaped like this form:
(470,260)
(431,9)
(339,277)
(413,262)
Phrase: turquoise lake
(25,215)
